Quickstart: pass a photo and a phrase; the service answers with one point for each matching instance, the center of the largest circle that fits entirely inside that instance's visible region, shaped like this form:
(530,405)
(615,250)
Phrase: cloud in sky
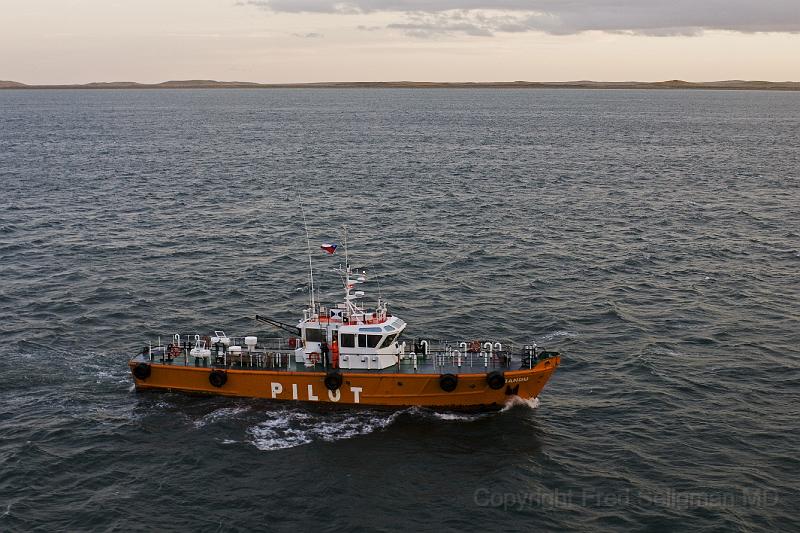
(424,18)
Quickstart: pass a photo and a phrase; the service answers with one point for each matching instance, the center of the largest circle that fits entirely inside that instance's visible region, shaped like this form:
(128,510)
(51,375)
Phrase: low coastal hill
(211,84)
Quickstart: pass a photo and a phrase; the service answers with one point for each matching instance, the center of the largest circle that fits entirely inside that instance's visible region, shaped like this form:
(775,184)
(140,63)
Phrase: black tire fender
(217,378)
(448,382)
(333,380)
(141,371)
(495,379)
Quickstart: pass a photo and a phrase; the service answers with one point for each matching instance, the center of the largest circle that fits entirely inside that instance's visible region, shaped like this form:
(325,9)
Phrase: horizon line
(577,84)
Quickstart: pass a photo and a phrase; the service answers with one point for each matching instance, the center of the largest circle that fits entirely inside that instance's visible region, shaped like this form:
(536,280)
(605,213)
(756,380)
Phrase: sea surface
(653,237)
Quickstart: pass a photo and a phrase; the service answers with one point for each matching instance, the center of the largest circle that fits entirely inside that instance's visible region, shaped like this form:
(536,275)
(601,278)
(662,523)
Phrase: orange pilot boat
(346,354)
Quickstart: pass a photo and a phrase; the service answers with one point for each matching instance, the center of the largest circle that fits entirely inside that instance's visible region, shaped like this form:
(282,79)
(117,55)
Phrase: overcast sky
(77,41)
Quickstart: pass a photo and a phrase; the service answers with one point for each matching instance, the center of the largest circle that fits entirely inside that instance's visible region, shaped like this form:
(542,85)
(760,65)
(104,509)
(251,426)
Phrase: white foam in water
(115,377)
(514,401)
(222,412)
(556,334)
(461,417)
(289,428)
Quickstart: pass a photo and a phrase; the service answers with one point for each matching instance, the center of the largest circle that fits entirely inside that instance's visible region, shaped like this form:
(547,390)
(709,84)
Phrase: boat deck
(434,363)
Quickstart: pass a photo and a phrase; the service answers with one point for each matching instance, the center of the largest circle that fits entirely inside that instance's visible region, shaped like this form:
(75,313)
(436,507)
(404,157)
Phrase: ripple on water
(648,236)
(290,427)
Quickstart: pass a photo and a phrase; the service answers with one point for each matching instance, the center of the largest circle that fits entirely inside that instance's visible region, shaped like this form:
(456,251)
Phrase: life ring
(292,342)
(495,379)
(217,378)
(448,382)
(174,350)
(333,380)
(314,357)
(141,371)
(474,347)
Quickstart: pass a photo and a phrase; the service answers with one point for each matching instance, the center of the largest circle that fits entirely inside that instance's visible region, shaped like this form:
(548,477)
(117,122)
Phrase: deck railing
(276,353)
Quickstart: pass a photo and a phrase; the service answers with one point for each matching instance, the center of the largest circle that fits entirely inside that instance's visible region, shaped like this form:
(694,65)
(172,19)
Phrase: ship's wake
(516,401)
(290,427)
(287,428)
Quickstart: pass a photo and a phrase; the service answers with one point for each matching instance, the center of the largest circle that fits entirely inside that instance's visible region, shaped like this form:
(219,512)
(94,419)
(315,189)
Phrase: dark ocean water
(653,237)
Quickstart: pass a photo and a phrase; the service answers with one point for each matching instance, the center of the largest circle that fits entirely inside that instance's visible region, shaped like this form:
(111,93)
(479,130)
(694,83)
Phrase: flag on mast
(329,248)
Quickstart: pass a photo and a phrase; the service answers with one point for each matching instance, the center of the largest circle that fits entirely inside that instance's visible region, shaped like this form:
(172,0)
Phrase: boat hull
(374,389)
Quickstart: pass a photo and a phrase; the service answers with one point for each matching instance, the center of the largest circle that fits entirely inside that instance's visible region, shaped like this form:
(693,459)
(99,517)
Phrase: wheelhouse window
(389,340)
(369,341)
(348,340)
(313,335)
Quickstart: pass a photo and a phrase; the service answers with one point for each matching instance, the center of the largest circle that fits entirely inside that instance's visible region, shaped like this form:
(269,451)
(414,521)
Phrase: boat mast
(346,274)
(352,309)
(346,264)
(308,247)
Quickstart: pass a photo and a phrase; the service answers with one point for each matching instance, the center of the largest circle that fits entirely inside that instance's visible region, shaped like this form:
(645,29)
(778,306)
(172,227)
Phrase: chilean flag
(329,248)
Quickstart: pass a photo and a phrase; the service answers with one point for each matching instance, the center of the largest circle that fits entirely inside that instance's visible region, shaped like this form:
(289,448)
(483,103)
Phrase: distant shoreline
(739,85)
